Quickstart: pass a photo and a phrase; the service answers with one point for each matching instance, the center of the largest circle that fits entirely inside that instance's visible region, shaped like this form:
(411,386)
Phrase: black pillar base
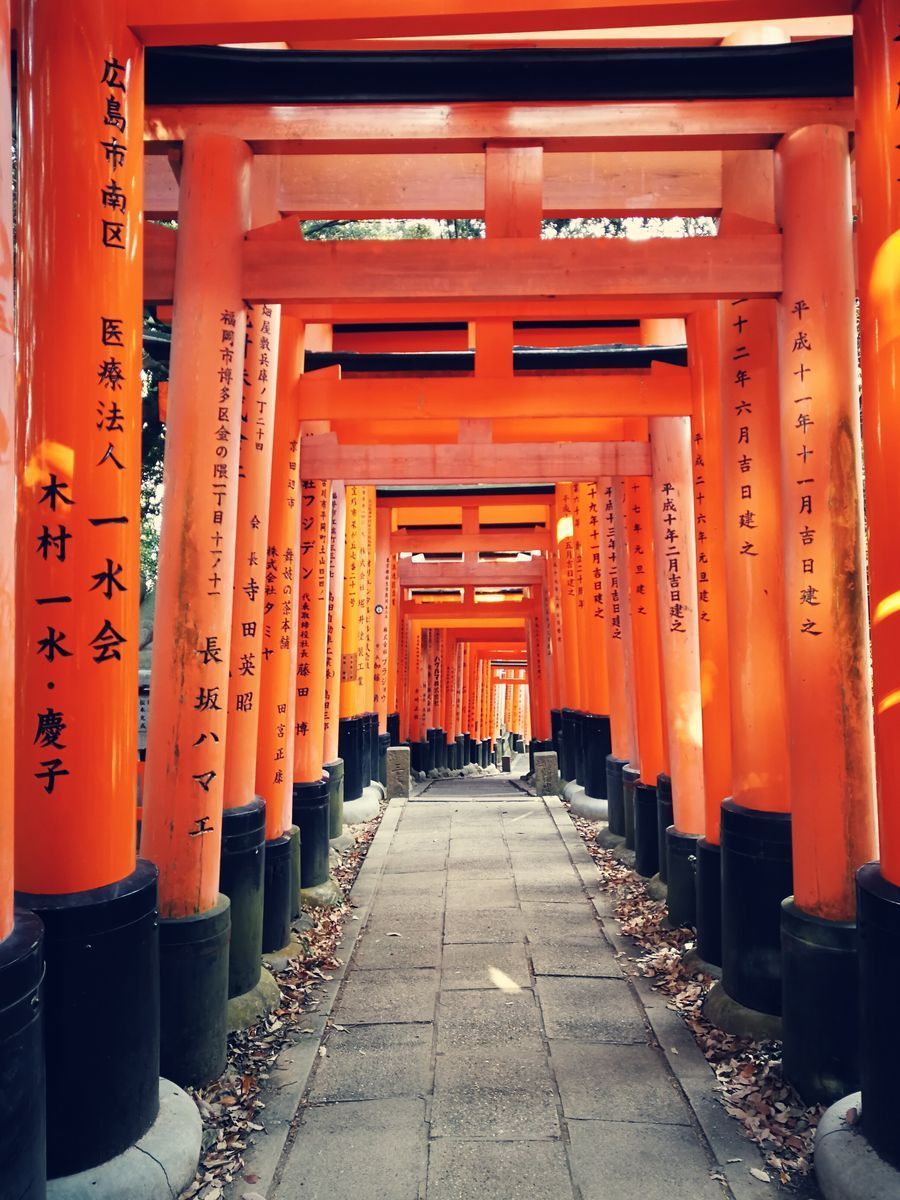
(665,816)
(757,875)
(241,880)
(101,1018)
(567,750)
(646,840)
(460,759)
(374,749)
(597,747)
(555,728)
(350,753)
(878,918)
(335,772)
(296,902)
(193,995)
(23,1150)
(615,794)
(820,1005)
(467,749)
(276,929)
(681,896)
(475,751)
(630,777)
(709,902)
(384,740)
(393,728)
(311,814)
(580,738)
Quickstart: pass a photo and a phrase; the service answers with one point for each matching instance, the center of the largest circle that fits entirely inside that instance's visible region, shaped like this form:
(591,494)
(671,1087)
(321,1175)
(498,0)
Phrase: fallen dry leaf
(762,1176)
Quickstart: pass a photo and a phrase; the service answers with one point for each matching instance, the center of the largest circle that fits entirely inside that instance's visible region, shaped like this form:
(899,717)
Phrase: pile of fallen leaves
(231,1107)
(749,1080)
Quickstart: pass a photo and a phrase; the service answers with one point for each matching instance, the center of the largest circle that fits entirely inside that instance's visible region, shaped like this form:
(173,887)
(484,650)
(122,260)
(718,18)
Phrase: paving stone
(461,1170)
(410,862)
(472,1020)
(375,1148)
(598,1010)
(553,891)
(501,965)
(493,1093)
(616,1083)
(471,925)
(383,996)
(378,949)
(417,883)
(480,868)
(632,1161)
(588,957)
(548,922)
(374,1062)
(480,893)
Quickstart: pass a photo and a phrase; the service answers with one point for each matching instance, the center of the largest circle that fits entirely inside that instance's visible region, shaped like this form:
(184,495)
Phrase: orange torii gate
(762,314)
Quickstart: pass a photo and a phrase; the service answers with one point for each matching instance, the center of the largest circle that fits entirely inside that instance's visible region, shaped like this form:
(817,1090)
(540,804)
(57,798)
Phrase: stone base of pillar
(160,1164)
(658,889)
(681,852)
(277,960)
(597,747)
(757,874)
(340,845)
(709,903)
(727,1014)
(241,880)
(608,840)
(323,895)
(646,829)
(820,1002)
(277,916)
(615,794)
(101,996)
(630,777)
(366,807)
(847,1166)
(665,816)
(694,962)
(246,1010)
(583,805)
(335,772)
(193,994)
(23,1152)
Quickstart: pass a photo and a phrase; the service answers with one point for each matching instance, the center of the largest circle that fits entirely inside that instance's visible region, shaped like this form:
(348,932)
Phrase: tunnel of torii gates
(603,496)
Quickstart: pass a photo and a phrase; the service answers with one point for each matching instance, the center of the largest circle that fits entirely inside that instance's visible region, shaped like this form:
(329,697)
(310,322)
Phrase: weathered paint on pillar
(263,322)
(312,627)
(709,520)
(619,654)
(367,602)
(829,694)
(184,776)
(336,558)
(396,651)
(649,699)
(877,152)
(79,344)
(594,679)
(275,742)
(554,603)
(7,492)
(382,615)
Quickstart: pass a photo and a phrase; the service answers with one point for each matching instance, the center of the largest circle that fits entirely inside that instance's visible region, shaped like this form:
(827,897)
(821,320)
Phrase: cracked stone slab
(606,1082)
(461,1170)
(591,1010)
(374,997)
(493,1093)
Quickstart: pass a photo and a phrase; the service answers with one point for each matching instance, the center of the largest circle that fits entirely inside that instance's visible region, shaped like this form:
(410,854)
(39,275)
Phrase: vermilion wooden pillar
(383,648)
(680,795)
(829,687)
(275,741)
(243,818)
(22,1103)
(338,522)
(877,159)
(350,746)
(712,609)
(619,654)
(571,764)
(754,885)
(312,577)
(649,697)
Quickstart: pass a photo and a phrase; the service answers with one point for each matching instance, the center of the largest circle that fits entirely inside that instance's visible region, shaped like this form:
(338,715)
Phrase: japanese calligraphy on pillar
(312,627)
(705,600)
(337,523)
(672,537)
(805,605)
(350,665)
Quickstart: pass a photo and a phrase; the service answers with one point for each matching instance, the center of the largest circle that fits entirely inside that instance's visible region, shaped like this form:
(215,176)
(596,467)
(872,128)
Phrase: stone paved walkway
(493,1050)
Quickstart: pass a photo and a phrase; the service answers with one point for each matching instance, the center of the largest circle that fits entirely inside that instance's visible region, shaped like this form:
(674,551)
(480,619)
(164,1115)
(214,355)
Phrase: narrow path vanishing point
(487,1044)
